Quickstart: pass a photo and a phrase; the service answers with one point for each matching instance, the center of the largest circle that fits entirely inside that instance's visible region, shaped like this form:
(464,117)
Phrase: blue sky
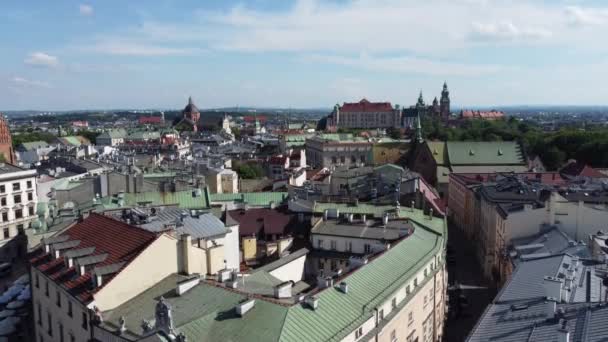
(61,55)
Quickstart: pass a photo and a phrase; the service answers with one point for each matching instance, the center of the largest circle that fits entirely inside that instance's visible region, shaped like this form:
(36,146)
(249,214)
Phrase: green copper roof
(251,198)
(183,199)
(485,153)
(32,145)
(438,150)
(206,312)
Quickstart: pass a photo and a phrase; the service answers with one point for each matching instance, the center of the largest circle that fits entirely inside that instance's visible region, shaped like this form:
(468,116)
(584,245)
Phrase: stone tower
(6,142)
(191,112)
(445,102)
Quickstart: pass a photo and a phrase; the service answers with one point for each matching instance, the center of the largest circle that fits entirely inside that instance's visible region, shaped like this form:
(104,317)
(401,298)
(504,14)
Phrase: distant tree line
(554,148)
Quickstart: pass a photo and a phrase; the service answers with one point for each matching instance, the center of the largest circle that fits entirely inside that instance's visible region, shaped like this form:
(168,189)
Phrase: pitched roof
(477,114)
(365,106)
(485,153)
(575,168)
(255,221)
(201,226)
(437,149)
(96,231)
(150,120)
(32,145)
(206,312)
(256,199)
(189,199)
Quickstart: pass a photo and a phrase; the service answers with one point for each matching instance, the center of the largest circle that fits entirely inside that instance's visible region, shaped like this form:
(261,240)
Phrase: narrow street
(466,305)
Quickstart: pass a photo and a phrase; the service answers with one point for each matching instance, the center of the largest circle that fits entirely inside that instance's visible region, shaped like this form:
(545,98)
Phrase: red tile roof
(251,118)
(472,114)
(120,241)
(150,120)
(575,168)
(365,106)
(266,221)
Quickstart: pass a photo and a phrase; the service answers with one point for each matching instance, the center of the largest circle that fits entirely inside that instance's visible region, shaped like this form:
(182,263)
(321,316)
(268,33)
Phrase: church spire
(419,138)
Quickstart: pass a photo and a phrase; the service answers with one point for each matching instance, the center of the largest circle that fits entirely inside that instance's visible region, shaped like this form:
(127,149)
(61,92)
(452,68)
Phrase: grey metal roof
(551,241)
(198,226)
(282,261)
(586,323)
(373,230)
(521,312)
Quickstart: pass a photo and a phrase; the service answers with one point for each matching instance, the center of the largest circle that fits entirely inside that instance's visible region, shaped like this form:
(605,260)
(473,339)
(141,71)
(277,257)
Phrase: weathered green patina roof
(114,134)
(438,150)
(159,175)
(485,153)
(251,198)
(206,312)
(183,199)
(32,145)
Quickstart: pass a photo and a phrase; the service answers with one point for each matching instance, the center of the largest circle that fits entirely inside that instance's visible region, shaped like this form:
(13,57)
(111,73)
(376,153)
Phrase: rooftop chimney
(343,287)
(385,219)
(553,287)
(325,214)
(187,284)
(283,290)
(563,333)
(243,308)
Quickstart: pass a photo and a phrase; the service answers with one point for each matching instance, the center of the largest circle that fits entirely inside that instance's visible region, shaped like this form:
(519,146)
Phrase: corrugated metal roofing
(251,198)
(203,226)
(485,153)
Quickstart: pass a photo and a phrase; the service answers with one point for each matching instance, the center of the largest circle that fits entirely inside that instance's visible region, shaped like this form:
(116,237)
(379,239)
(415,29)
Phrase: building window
(394,303)
(334,160)
(72,337)
(381,314)
(342,159)
(320,244)
(58,302)
(359,332)
(39,313)
(37,281)
(353,159)
(367,248)
(60,332)
(408,289)
(18,213)
(393,336)
(410,318)
(334,265)
(6,233)
(31,211)
(333,244)
(17,199)
(426,300)
(30,196)
(50,322)
(3,201)
(70,313)
(16,186)
(349,246)
(321,264)
(46,288)
(4,217)
(415,282)
(362,159)
(411,337)
(20,230)
(2,188)
(29,184)
(85,323)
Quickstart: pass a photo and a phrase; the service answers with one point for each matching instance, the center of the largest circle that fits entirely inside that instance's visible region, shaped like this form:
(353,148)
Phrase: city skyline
(301,54)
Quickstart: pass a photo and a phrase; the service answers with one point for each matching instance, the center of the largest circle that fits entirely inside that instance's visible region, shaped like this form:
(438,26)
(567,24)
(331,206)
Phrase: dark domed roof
(190,107)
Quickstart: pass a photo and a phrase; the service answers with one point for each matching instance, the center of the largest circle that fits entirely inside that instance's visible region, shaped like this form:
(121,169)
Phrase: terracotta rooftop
(365,106)
(477,114)
(108,241)
(150,120)
(575,168)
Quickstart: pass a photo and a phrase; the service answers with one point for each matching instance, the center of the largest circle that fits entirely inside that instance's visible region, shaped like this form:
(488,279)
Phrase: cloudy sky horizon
(68,55)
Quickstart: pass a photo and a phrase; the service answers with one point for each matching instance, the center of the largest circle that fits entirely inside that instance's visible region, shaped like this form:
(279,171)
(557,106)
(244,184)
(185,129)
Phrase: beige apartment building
(99,263)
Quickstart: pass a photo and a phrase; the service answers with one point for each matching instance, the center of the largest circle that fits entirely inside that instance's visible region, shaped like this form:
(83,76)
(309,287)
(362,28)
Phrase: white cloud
(578,16)
(85,9)
(408,65)
(26,83)
(507,31)
(41,59)
(135,48)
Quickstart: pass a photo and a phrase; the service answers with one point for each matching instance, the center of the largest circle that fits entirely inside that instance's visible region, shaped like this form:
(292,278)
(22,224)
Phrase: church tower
(6,142)
(445,102)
